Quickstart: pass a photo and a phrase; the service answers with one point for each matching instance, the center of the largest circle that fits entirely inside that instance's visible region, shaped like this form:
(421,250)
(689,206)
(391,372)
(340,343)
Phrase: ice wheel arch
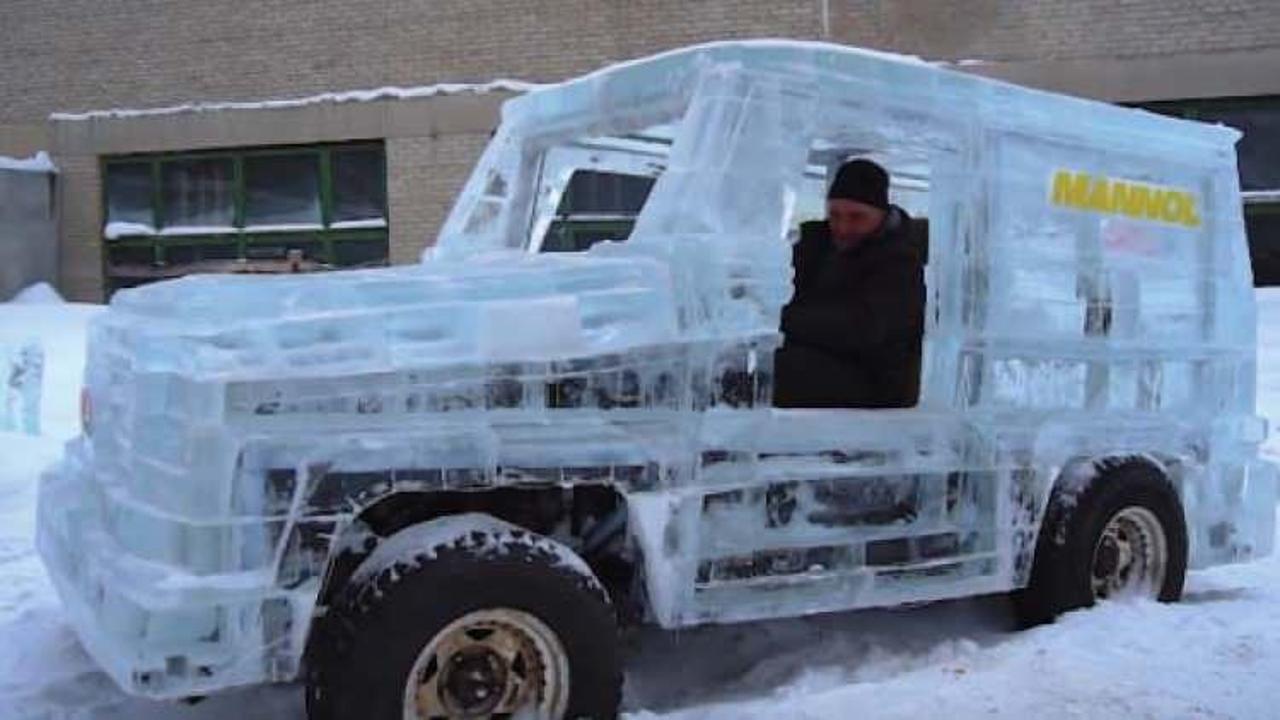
(1120,531)
(469,617)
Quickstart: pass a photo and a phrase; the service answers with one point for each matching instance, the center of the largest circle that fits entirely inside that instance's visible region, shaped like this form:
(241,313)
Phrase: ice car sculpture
(267,454)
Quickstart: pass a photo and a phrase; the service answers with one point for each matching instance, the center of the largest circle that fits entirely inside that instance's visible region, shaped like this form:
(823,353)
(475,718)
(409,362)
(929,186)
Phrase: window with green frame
(251,209)
(596,206)
(1259,160)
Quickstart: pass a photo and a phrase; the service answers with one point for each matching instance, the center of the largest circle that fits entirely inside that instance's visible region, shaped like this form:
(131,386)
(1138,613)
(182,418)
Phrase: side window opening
(596,206)
(836,372)
(593,190)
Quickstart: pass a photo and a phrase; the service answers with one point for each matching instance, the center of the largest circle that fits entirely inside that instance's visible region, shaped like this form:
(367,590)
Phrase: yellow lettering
(1121,194)
(1154,203)
(1137,200)
(1172,210)
(1190,217)
(1071,189)
(1100,196)
(1120,197)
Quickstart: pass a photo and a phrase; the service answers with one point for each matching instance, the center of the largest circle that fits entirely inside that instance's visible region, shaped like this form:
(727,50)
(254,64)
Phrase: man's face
(851,221)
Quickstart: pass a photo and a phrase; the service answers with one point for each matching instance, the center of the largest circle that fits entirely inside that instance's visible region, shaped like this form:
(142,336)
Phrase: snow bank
(382,93)
(29,613)
(23,578)
(1213,655)
(40,293)
(39,162)
(1269,366)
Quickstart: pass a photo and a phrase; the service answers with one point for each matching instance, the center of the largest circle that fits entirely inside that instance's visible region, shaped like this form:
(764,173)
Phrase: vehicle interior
(591,191)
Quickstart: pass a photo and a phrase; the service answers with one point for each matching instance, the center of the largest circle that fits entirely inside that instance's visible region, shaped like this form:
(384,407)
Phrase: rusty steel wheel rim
(1131,556)
(489,664)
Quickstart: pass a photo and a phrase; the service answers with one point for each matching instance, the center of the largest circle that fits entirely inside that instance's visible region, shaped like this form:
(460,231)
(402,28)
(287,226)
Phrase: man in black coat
(853,328)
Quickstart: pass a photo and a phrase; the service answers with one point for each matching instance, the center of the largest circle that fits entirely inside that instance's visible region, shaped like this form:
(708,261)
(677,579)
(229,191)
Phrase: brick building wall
(1012,30)
(428,173)
(81,54)
(77,55)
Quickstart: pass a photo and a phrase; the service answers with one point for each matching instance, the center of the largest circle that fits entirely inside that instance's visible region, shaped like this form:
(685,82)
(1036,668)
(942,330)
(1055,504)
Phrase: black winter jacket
(853,328)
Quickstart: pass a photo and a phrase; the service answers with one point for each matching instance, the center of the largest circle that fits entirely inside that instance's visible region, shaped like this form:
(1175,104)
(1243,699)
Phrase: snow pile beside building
(41,293)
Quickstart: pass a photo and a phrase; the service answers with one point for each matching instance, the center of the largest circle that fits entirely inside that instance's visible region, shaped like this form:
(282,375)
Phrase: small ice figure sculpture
(23,372)
(271,460)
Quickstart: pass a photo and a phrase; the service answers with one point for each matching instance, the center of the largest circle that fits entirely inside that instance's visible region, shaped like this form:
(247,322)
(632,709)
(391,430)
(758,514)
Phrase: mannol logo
(1112,196)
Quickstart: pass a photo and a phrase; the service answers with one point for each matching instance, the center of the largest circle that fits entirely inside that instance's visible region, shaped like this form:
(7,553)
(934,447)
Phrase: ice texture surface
(240,424)
(21,372)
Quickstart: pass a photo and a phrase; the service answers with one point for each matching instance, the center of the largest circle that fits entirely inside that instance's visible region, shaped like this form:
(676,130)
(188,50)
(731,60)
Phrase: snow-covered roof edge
(39,162)
(382,93)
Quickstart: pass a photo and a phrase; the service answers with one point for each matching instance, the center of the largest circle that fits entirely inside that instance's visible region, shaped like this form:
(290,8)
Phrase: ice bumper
(1232,514)
(156,629)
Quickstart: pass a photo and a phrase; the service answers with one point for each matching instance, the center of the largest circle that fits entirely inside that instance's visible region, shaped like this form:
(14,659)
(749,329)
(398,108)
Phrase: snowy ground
(1216,655)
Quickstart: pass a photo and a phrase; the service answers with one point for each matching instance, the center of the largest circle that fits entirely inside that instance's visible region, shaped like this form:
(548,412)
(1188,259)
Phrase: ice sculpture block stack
(1088,298)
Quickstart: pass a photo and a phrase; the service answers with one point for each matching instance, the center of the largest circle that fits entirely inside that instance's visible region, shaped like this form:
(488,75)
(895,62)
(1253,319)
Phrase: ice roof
(637,86)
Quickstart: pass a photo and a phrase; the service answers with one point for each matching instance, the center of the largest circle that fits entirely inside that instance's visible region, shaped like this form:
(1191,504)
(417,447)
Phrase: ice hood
(503,307)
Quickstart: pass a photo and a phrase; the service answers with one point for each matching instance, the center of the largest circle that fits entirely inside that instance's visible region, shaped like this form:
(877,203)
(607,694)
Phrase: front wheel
(495,623)
(1122,532)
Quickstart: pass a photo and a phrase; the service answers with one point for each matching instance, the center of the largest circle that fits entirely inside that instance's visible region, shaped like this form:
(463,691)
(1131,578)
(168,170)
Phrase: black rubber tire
(357,669)
(1073,524)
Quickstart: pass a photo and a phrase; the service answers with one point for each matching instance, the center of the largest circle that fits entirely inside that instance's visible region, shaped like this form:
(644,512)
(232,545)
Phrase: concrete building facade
(28,250)
(1216,61)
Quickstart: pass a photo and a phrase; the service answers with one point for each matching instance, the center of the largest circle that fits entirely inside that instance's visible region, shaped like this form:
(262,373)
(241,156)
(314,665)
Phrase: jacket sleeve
(889,305)
(802,257)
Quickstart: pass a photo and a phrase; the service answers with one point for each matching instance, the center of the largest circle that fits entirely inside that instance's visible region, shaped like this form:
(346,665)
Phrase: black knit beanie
(862,181)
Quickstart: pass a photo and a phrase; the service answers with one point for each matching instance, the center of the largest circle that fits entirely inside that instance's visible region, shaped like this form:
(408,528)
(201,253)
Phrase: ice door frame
(954,214)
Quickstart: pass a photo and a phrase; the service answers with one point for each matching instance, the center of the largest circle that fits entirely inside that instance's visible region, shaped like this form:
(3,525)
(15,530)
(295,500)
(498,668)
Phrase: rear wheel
(486,663)
(1120,533)
(494,623)
(1131,555)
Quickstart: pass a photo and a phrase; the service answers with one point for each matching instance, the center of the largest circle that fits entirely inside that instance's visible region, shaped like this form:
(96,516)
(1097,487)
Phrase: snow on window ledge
(118,229)
(183,230)
(370,223)
(1260,196)
(282,227)
(39,162)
